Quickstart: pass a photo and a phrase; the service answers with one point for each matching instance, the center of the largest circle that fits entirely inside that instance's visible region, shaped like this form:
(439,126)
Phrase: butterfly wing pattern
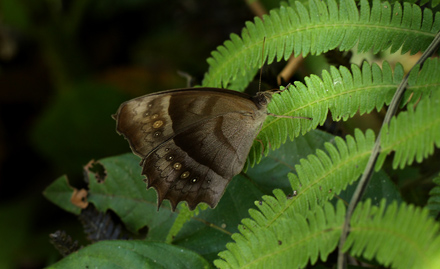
(192,141)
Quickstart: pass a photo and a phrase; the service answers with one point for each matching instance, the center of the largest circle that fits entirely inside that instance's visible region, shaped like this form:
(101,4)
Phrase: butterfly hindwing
(196,165)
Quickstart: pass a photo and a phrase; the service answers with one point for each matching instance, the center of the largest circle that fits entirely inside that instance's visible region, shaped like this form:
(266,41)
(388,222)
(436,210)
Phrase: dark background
(65,66)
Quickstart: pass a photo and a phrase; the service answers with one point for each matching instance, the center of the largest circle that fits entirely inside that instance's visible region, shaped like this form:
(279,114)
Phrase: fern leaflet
(322,26)
(308,237)
(340,91)
(434,199)
(424,82)
(319,178)
(413,134)
(397,236)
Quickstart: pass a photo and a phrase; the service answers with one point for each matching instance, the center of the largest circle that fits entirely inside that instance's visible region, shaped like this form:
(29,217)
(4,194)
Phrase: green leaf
(318,179)
(412,135)
(309,29)
(341,92)
(398,236)
(185,214)
(272,171)
(434,199)
(209,231)
(309,237)
(60,193)
(132,254)
(123,191)
(422,82)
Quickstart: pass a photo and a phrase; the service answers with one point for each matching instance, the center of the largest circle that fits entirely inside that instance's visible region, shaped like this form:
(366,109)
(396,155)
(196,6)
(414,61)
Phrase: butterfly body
(192,141)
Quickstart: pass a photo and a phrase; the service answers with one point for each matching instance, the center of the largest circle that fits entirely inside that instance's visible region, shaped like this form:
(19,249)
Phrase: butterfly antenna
(262,64)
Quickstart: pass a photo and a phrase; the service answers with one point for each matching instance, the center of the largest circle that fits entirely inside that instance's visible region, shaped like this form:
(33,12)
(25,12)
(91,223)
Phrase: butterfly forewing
(139,121)
(192,141)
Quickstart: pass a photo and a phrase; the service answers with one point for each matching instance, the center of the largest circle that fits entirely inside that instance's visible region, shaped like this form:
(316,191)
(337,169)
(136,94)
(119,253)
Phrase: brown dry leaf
(79,198)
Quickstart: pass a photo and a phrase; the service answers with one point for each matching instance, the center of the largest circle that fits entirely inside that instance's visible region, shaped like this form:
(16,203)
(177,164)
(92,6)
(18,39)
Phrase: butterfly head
(263,98)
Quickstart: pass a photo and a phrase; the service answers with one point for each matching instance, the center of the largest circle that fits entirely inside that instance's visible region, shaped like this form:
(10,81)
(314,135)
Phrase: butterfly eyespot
(167,149)
(185,174)
(177,166)
(194,180)
(157,124)
(169,158)
(157,134)
(155,116)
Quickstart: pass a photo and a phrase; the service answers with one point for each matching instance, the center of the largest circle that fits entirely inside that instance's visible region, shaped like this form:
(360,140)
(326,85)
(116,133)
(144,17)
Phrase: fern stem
(369,169)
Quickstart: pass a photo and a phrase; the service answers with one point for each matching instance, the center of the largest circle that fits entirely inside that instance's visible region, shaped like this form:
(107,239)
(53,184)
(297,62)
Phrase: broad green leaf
(59,193)
(132,254)
(124,192)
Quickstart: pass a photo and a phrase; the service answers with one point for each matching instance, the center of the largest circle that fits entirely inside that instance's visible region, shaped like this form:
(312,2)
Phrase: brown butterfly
(192,141)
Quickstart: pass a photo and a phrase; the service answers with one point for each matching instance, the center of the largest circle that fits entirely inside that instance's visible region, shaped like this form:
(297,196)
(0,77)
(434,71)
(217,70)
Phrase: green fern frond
(434,3)
(307,237)
(318,179)
(242,82)
(434,199)
(321,27)
(424,82)
(342,92)
(413,134)
(398,236)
